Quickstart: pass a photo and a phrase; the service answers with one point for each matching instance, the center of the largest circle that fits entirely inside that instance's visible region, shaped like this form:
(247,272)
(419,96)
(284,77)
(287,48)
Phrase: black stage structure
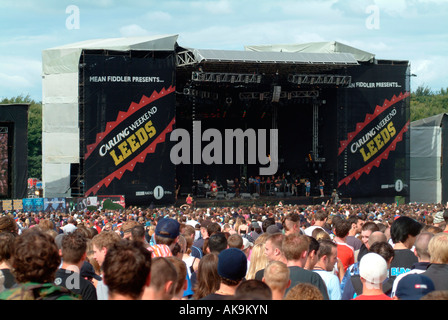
(321,105)
(338,119)
(13,150)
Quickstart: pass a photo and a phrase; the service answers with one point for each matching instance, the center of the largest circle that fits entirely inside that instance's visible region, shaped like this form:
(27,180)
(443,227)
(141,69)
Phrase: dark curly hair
(35,257)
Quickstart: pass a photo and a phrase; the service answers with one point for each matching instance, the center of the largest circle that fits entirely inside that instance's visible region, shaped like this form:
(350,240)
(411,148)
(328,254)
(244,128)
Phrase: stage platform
(247,200)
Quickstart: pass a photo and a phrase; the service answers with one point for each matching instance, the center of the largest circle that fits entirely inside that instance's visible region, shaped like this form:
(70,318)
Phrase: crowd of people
(280,252)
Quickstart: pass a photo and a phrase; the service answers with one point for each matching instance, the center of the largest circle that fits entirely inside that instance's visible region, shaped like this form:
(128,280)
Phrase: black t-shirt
(10,280)
(402,262)
(74,282)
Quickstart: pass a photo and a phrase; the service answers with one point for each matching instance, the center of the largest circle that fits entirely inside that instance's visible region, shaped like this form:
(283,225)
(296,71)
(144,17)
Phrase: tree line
(424,103)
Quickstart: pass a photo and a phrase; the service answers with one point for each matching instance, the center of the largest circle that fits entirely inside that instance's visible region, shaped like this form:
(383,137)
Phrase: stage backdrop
(373,123)
(128,110)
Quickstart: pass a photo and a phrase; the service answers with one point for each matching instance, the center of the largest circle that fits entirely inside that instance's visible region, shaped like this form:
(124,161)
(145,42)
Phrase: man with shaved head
(421,251)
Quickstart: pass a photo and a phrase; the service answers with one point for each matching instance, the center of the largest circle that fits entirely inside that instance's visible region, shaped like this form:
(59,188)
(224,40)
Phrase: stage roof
(330,47)
(433,121)
(207,55)
(65,59)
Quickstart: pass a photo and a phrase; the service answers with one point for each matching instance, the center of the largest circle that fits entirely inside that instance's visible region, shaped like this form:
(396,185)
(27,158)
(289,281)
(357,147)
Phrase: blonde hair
(438,248)
(304,291)
(276,275)
(258,261)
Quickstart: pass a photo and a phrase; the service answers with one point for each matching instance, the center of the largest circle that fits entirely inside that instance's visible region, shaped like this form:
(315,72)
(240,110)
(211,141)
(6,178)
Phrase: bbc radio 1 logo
(158,193)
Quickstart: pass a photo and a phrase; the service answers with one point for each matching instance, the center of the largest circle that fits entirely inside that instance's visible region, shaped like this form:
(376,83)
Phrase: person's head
(421,246)
(101,243)
(384,249)
(355,223)
(35,257)
(327,254)
(404,230)
(320,217)
(167,231)
(276,276)
(217,242)
(74,246)
(181,283)
(163,279)
(273,247)
(342,228)
(212,228)
(440,218)
(292,223)
(436,295)
(304,291)
(312,253)
(367,229)
(376,236)
(127,267)
(232,266)
(46,224)
(138,233)
(127,227)
(208,279)
(373,270)
(266,223)
(8,224)
(438,248)
(6,246)
(235,241)
(413,287)
(253,290)
(295,248)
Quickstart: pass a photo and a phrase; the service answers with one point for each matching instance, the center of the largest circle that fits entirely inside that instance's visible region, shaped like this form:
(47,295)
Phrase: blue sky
(414,30)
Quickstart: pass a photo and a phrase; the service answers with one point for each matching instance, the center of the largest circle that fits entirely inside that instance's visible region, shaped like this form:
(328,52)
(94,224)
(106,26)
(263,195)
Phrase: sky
(413,30)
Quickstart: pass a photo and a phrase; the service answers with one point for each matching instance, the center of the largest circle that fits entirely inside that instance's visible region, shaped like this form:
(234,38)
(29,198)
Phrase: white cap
(373,268)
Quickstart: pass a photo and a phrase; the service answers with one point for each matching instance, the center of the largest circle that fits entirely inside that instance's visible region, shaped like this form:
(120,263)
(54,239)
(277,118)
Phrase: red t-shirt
(374,297)
(346,254)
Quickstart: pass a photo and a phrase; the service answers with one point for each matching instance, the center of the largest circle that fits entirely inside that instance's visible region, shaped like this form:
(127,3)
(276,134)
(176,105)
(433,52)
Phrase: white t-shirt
(309,231)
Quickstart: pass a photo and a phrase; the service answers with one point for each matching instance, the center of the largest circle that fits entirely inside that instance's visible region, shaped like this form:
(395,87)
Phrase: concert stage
(250,200)
(145,115)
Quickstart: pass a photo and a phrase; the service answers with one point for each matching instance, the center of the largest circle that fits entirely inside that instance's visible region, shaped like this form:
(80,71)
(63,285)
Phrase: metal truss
(327,79)
(283,95)
(185,58)
(225,77)
(201,94)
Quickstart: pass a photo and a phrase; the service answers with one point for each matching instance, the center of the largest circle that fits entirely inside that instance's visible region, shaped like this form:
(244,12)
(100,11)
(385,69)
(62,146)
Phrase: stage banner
(129,109)
(54,204)
(373,132)
(33,204)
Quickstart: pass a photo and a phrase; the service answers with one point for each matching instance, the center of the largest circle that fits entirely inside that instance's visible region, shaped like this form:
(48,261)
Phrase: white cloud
(431,72)
(213,7)
(133,30)
(20,75)
(158,16)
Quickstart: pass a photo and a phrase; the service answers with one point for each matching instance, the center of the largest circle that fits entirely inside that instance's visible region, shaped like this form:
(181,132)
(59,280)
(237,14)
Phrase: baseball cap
(167,228)
(414,286)
(232,264)
(373,268)
(438,217)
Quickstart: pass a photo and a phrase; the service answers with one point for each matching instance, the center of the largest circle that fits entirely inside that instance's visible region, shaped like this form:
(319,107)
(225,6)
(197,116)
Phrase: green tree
(426,103)
(34,133)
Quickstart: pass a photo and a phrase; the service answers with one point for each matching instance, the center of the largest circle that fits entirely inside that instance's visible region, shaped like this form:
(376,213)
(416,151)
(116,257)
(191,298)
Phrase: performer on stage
(321,187)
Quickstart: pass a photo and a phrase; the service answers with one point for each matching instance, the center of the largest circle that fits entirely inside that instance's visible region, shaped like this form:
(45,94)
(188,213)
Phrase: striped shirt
(160,250)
